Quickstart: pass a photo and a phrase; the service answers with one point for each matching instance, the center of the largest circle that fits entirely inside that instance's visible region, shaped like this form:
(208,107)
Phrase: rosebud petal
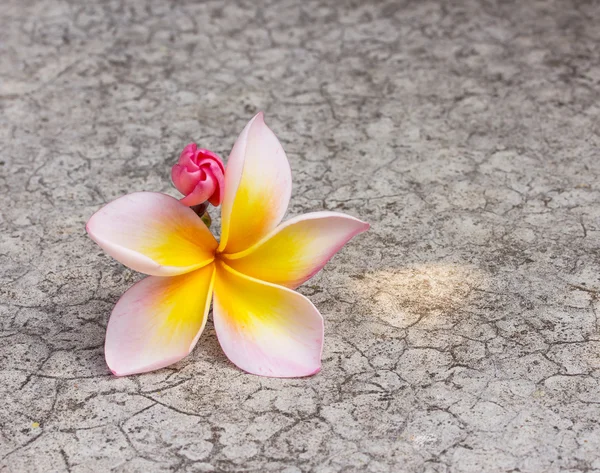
(201,193)
(185,181)
(216,171)
(199,175)
(186,158)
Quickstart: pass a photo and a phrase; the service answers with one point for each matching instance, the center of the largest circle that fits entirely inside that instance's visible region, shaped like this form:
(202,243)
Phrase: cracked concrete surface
(462,330)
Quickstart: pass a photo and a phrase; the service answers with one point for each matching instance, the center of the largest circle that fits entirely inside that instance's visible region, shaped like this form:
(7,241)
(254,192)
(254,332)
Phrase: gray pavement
(462,330)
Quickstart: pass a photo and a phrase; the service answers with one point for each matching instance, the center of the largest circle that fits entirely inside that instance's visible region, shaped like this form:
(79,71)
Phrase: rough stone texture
(462,330)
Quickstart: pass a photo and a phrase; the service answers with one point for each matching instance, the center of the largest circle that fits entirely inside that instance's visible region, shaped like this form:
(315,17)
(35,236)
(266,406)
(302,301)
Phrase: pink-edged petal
(297,249)
(258,185)
(158,321)
(152,233)
(266,329)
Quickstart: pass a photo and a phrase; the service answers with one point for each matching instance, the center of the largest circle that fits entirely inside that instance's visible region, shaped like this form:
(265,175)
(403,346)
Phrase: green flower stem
(206,219)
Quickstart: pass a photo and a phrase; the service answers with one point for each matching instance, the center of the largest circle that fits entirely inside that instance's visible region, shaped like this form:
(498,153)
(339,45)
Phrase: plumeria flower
(262,324)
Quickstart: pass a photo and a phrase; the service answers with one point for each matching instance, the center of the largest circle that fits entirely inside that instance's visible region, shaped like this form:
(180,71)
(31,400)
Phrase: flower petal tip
(152,233)
(360,227)
(258,186)
(157,322)
(298,249)
(265,329)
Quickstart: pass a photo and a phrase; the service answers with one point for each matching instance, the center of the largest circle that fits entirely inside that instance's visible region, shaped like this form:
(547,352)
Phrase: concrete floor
(462,330)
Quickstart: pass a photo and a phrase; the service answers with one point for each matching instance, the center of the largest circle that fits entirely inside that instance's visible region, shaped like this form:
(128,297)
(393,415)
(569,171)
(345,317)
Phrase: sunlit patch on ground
(403,297)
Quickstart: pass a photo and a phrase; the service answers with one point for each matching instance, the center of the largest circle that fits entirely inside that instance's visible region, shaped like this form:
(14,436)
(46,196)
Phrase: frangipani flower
(262,324)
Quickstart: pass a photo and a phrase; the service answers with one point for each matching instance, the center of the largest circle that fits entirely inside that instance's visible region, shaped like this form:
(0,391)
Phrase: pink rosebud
(199,175)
